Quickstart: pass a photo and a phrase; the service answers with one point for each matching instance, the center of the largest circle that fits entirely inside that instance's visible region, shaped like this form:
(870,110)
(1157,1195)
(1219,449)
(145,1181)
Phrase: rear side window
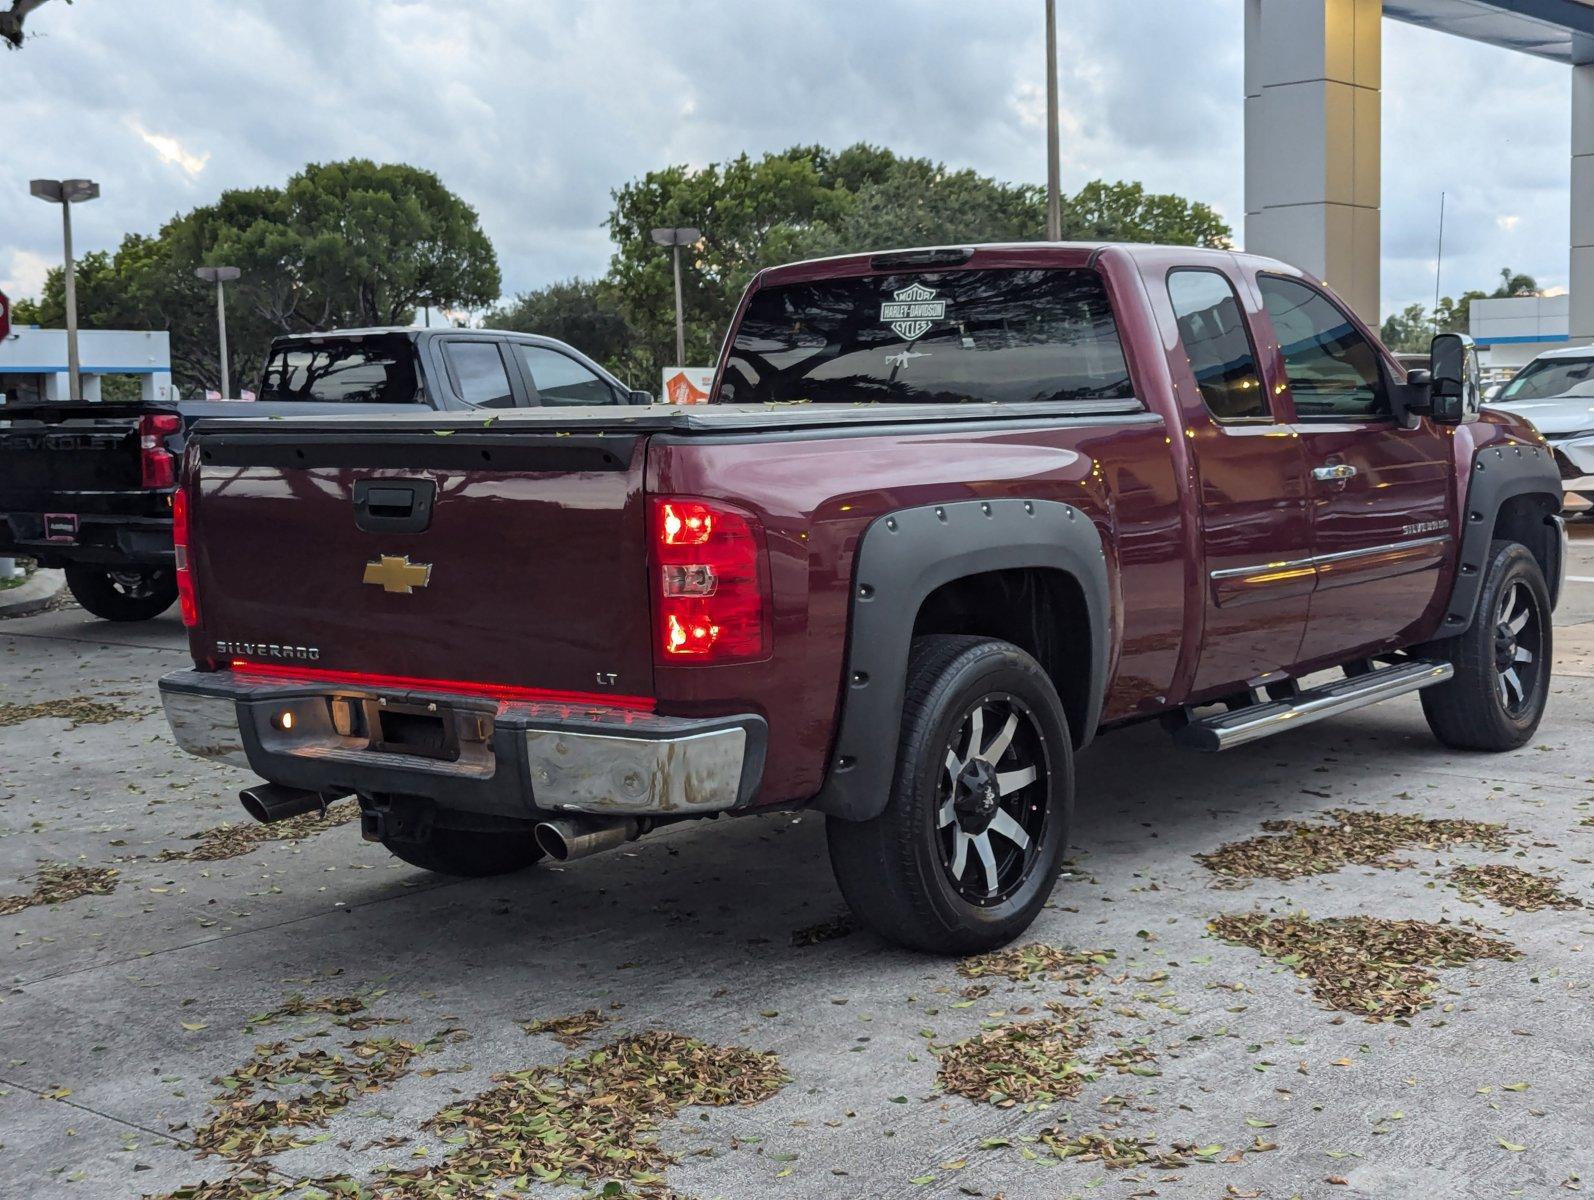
(1212,331)
(560,379)
(1333,369)
(479,374)
(356,371)
(929,337)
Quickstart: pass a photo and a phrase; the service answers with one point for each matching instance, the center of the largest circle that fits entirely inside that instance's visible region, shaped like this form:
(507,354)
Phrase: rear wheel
(133,594)
(468,853)
(973,835)
(1502,681)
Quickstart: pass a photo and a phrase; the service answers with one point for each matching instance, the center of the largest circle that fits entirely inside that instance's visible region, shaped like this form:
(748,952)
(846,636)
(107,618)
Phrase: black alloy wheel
(992,815)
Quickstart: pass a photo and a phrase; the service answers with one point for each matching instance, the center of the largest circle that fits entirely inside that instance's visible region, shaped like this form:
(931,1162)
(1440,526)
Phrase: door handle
(394,505)
(1339,471)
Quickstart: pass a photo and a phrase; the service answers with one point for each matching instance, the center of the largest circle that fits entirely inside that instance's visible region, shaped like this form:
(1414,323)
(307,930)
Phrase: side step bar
(1225,731)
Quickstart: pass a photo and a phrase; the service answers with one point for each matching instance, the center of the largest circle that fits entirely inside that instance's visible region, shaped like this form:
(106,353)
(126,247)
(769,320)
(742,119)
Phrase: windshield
(379,370)
(934,337)
(1546,377)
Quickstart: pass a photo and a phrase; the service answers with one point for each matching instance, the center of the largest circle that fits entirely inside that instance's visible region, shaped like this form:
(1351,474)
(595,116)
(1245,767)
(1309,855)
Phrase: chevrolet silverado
(952,513)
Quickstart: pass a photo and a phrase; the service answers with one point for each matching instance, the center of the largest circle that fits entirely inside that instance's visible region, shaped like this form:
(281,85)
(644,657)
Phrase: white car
(1556,392)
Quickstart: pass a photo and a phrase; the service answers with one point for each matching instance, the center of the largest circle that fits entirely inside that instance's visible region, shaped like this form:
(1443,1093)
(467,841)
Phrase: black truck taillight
(157,466)
(187,599)
(712,603)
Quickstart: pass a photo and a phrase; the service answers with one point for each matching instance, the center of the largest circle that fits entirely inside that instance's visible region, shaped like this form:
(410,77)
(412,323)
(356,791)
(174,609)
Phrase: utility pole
(676,237)
(1054,166)
(66,193)
(220,276)
(1439,262)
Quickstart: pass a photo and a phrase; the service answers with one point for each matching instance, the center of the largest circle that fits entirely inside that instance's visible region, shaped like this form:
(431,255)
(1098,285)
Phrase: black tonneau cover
(666,418)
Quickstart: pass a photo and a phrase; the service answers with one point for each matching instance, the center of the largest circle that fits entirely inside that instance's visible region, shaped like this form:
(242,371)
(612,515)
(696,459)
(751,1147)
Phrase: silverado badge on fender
(396,573)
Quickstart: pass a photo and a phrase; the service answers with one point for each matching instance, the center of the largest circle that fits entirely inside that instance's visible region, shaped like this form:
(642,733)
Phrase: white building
(33,363)
(1511,332)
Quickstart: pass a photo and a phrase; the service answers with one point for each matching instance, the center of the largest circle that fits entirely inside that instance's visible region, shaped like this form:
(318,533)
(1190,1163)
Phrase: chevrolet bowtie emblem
(396,573)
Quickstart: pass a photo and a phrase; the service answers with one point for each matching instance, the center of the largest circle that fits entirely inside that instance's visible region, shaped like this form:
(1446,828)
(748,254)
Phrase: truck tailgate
(463,556)
(90,455)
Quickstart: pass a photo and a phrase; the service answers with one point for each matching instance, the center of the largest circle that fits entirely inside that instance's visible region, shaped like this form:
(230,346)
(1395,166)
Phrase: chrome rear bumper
(509,759)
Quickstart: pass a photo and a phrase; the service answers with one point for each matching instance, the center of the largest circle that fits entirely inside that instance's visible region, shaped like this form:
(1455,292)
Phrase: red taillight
(712,591)
(157,466)
(187,600)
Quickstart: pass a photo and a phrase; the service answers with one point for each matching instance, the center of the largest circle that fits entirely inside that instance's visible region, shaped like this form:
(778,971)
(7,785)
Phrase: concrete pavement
(120,1009)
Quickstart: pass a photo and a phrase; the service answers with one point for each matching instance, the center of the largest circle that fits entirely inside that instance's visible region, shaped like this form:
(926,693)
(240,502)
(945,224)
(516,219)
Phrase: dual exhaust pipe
(561,839)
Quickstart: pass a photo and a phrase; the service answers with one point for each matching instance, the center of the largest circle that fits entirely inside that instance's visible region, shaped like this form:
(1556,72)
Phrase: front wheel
(132,594)
(468,853)
(1497,696)
(974,832)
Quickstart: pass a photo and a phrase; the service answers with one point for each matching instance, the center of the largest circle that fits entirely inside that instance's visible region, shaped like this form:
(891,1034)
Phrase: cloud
(25,273)
(535,113)
(169,149)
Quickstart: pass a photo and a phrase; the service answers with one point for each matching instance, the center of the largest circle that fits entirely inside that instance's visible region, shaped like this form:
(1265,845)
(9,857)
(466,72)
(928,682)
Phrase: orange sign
(688,385)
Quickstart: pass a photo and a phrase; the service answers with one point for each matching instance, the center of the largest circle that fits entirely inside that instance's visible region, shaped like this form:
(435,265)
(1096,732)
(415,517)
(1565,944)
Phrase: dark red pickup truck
(954,512)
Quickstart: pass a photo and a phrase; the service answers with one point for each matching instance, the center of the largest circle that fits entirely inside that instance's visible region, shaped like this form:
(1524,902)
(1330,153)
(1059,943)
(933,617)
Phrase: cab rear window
(1005,336)
(369,370)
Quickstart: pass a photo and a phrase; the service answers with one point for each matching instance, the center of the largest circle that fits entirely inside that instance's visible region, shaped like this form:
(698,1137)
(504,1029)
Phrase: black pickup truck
(88,486)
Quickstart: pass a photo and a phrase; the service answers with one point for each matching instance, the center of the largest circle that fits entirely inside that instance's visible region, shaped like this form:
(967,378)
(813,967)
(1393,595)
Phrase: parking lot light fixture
(221,276)
(675,237)
(66,193)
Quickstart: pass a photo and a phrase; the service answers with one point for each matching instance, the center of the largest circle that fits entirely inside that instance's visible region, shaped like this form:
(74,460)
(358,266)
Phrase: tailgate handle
(394,505)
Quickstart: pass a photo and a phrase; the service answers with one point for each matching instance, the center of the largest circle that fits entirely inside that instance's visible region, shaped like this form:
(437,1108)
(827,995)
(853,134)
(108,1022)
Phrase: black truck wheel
(974,833)
(132,594)
(468,853)
(1502,681)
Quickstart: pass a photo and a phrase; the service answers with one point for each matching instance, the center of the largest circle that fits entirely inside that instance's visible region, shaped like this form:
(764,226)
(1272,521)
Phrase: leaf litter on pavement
(1512,887)
(1037,961)
(1291,849)
(572,1030)
(1020,1063)
(56,883)
(79,710)
(230,841)
(1377,968)
(592,1119)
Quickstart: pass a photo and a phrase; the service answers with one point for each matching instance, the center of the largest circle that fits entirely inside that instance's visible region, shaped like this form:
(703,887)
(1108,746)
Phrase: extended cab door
(1379,492)
(1252,482)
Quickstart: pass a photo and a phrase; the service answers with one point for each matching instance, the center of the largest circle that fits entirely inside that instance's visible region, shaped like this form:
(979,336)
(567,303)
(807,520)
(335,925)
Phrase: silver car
(1556,392)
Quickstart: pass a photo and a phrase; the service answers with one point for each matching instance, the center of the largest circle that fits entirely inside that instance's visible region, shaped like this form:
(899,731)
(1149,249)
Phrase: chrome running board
(1239,726)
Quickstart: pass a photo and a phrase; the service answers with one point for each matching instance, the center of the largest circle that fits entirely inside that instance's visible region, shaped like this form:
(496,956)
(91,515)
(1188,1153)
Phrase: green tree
(583,312)
(1126,212)
(343,244)
(1409,330)
(809,201)
(1513,283)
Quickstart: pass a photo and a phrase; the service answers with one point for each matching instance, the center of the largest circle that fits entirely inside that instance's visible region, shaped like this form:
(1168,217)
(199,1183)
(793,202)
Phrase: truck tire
(468,853)
(974,832)
(134,594)
(1497,696)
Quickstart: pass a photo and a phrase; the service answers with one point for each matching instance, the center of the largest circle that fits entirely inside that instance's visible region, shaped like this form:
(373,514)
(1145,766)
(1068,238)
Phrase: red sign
(5,316)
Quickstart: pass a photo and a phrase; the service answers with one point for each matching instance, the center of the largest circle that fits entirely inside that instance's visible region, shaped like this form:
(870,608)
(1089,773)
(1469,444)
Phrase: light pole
(220,276)
(1054,172)
(675,238)
(66,193)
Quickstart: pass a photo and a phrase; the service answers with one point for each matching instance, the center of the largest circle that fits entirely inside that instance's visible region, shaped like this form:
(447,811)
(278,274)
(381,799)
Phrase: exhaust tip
(253,806)
(552,841)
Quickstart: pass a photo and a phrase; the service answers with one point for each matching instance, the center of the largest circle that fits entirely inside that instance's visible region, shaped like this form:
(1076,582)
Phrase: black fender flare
(904,556)
(1498,474)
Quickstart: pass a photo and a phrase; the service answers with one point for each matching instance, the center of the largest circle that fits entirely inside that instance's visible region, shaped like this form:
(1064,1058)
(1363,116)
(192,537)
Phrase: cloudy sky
(534,109)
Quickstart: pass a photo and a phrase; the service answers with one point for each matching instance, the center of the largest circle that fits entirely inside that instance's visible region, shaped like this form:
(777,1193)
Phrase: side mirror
(638,396)
(1456,386)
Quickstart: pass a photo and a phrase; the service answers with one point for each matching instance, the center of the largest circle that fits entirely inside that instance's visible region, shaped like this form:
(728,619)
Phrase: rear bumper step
(1225,731)
(465,753)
